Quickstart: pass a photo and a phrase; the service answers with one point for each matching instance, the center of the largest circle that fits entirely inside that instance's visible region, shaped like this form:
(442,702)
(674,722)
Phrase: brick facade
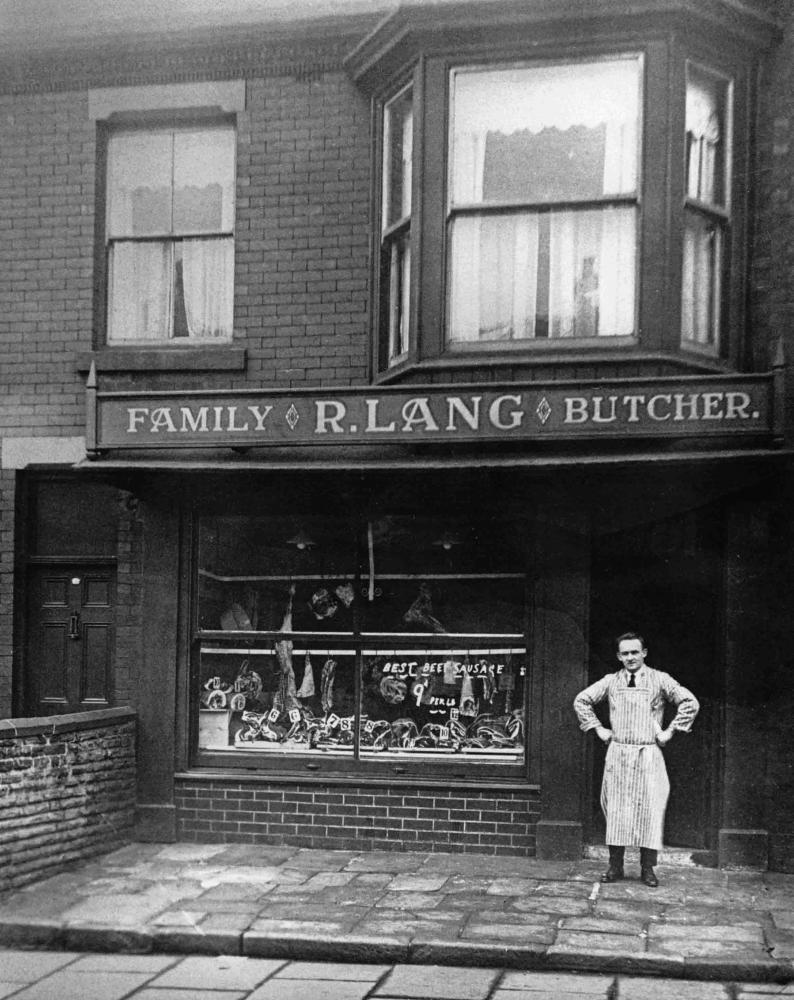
(67,790)
(302,317)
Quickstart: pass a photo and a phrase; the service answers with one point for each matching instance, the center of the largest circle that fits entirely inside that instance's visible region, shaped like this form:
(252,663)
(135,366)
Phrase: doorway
(664,580)
(70,615)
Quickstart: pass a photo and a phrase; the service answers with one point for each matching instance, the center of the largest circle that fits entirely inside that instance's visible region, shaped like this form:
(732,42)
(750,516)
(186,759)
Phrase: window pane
(248,564)
(139,184)
(706,136)
(701,282)
(206,279)
(397,158)
(444,701)
(204,181)
(398,291)
(443,660)
(529,275)
(140,290)
(545,134)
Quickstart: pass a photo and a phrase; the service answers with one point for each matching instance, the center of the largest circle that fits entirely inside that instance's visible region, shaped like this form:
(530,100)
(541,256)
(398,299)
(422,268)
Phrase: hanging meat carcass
(286,698)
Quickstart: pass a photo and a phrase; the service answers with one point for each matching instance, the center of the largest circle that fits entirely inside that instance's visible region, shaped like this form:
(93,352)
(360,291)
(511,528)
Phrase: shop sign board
(687,407)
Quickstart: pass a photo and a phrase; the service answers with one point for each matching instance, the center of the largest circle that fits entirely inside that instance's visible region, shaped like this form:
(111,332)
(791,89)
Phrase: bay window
(574,189)
(170,234)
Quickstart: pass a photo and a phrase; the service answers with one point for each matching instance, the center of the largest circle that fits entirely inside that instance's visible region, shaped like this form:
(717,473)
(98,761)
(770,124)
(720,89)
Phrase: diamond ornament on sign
(292,417)
(544,410)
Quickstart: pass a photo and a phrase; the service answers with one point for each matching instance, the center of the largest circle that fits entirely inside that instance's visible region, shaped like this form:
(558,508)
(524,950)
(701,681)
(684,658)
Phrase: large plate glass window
(396,225)
(543,202)
(707,209)
(170,234)
(394,638)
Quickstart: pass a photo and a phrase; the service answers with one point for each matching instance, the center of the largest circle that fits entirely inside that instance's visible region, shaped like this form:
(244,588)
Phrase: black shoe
(648,877)
(612,874)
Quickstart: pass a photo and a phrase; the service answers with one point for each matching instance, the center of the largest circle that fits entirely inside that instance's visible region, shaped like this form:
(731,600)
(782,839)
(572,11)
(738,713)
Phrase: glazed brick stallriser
(346,817)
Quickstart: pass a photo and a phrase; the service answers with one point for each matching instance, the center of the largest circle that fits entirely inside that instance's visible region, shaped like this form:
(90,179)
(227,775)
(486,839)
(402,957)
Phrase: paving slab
(295,989)
(660,989)
(449,982)
(563,906)
(225,972)
(559,983)
(151,964)
(386,861)
(329,970)
(85,985)
(25,966)
(535,933)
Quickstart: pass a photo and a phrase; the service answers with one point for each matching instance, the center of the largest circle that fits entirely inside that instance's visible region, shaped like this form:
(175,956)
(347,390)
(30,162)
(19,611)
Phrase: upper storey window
(398,122)
(707,212)
(170,234)
(543,202)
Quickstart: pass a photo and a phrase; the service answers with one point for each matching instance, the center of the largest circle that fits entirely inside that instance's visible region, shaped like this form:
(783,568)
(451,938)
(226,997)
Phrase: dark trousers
(648,857)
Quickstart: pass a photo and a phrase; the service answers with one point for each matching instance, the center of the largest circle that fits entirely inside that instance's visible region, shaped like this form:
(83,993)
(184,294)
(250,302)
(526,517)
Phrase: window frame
(152,121)
(660,198)
(719,216)
(485,209)
(361,764)
(392,234)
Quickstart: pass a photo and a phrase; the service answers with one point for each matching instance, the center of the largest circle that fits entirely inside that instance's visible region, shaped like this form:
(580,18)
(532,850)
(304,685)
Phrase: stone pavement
(26,975)
(408,909)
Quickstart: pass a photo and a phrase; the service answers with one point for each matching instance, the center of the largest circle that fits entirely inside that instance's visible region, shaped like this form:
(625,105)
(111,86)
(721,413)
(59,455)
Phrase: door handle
(74,625)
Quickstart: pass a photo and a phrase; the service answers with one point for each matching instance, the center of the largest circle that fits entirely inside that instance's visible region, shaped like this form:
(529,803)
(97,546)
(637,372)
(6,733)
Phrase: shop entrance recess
(664,580)
(70,637)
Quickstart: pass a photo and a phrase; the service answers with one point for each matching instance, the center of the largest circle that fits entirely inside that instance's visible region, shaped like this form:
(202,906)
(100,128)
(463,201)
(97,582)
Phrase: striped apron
(635,788)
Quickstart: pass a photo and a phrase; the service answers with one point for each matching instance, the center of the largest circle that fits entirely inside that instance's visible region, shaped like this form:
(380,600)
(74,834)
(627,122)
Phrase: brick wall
(67,790)
(357,817)
(46,258)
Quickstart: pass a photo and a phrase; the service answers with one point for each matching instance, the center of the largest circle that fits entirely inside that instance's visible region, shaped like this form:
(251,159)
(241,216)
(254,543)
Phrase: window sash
(701,280)
(171,182)
(166,290)
(533,134)
(542,275)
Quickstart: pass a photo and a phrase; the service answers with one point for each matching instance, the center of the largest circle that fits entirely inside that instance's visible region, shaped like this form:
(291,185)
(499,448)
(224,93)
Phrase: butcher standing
(635,788)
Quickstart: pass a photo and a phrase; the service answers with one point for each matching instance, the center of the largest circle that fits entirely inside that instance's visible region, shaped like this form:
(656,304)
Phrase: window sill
(690,362)
(164,359)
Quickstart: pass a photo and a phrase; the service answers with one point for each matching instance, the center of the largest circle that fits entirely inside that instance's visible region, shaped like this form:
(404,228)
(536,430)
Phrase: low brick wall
(357,817)
(67,790)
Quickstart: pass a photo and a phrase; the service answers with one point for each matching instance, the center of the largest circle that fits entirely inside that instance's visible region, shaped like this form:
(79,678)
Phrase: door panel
(95,665)
(70,638)
(51,664)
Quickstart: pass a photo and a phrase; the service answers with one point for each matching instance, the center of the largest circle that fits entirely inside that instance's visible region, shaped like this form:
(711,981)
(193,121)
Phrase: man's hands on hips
(605,735)
(663,736)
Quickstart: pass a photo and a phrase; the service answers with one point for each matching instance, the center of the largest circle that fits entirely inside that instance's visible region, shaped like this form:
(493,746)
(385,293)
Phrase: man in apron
(635,787)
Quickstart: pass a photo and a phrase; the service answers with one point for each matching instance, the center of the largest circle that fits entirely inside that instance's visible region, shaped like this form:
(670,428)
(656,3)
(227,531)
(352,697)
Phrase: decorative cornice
(305,53)
(416,27)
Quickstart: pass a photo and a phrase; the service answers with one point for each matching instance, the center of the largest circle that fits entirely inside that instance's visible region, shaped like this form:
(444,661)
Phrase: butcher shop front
(367,612)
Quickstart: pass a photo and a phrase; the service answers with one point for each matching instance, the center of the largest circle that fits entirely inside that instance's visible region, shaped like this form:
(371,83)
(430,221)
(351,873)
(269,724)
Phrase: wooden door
(70,638)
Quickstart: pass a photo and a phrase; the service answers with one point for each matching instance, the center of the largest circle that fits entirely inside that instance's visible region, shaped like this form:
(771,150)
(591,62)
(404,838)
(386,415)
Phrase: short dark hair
(629,635)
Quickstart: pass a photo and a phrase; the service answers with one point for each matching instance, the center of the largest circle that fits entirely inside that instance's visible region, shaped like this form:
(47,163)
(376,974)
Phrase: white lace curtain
(142,289)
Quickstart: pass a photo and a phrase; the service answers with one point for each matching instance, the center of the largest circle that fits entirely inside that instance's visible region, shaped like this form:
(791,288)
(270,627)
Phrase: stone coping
(72,722)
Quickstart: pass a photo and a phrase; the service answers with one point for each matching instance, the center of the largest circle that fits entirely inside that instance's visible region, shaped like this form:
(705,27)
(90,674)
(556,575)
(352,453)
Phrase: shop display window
(394,639)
